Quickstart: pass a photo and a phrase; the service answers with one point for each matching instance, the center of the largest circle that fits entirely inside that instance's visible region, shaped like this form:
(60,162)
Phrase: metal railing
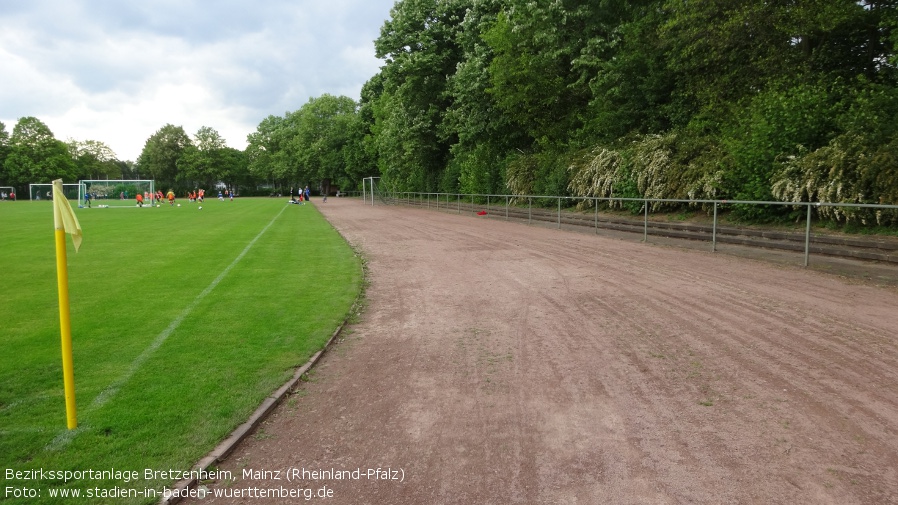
(509,201)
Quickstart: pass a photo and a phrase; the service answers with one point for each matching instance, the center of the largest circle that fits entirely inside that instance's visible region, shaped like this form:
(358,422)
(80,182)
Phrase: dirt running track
(501,363)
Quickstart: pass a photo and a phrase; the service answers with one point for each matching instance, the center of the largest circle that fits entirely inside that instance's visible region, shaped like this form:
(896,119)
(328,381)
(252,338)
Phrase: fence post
(506,207)
(529,210)
(596,223)
(807,237)
(559,212)
(645,222)
(714,231)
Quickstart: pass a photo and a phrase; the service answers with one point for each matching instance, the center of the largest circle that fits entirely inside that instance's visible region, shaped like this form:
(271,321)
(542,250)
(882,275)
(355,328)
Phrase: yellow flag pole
(64,221)
(65,327)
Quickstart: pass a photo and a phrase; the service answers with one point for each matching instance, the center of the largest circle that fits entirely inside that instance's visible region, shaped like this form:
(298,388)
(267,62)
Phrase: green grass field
(183,320)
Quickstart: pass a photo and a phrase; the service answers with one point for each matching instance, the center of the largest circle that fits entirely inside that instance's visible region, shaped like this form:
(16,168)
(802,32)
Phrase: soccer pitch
(183,321)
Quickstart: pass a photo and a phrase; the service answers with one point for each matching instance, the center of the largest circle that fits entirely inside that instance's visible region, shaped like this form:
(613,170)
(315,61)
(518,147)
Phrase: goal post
(6,192)
(116,192)
(368,182)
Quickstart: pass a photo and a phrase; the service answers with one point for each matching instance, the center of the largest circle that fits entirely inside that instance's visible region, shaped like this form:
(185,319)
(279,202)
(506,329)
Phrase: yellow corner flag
(63,216)
(65,221)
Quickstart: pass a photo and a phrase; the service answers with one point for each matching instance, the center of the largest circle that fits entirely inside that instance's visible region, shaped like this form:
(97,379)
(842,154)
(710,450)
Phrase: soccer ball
(157,205)
(179,205)
(200,208)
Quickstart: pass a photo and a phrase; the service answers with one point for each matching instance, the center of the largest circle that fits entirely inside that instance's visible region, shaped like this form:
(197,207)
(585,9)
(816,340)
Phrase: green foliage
(535,46)
(856,166)
(482,132)
(35,156)
(94,160)
(706,99)
(597,173)
(419,44)
(359,157)
(776,123)
(629,84)
(479,170)
(650,166)
(4,152)
(265,150)
(848,170)
(322,142)
(521,175)
(539,174)
(161,153)
(201,163)
(323,130)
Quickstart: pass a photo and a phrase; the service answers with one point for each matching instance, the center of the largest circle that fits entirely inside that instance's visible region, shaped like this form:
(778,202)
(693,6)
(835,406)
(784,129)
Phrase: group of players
(197,195)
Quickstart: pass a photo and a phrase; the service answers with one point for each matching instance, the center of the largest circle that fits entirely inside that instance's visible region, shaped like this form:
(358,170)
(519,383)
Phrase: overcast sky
(118,70)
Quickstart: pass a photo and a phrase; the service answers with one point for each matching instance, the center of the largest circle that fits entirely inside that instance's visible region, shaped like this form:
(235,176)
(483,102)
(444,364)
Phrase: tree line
(318,145)
(32,154)
(710,99)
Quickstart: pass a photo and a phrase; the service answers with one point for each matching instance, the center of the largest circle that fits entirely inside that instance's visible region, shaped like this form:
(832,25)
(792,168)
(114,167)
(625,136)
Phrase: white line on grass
(65,437)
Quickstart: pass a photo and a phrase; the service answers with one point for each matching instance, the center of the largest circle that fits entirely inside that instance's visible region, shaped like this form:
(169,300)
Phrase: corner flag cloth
(63,216)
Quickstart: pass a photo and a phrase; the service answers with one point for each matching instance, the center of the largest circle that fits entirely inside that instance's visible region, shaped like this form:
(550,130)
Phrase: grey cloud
(252,59)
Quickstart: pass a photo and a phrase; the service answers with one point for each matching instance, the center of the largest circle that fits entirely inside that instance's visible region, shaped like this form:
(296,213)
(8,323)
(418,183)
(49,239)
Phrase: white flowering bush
(847,170)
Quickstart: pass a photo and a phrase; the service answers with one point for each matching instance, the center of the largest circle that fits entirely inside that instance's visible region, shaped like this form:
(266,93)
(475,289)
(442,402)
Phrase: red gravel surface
(500,363)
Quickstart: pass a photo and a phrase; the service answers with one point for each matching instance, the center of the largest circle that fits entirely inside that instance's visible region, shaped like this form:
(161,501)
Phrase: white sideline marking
(65,437)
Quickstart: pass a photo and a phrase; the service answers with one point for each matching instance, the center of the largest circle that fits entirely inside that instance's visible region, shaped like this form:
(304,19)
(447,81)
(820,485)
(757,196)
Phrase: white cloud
(118,71)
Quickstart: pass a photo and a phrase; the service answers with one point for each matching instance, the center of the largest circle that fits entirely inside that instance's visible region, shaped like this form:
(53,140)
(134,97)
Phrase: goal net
(44,191)
(116,193)
(6,192)
(372,188)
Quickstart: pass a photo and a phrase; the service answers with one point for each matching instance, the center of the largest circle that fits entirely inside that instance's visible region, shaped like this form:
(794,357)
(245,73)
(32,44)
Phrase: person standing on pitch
(171,198)
(307,193)
(139,200)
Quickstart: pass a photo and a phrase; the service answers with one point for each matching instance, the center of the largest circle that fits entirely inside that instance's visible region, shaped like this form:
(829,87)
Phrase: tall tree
(420,48)
(160,155)
(36,156)
(94,159)
(323,131)
(532,77)
(266,151)
(202,161)
(4,152)
(625,67)
(484,133)
(233,169)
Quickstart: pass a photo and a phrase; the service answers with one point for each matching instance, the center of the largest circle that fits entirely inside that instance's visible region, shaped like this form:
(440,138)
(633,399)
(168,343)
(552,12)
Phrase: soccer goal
(371,188)
(6,192)
(116,193)
(44,191)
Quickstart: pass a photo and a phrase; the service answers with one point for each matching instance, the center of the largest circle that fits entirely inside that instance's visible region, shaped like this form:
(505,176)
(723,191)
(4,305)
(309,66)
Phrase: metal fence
(517,202)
